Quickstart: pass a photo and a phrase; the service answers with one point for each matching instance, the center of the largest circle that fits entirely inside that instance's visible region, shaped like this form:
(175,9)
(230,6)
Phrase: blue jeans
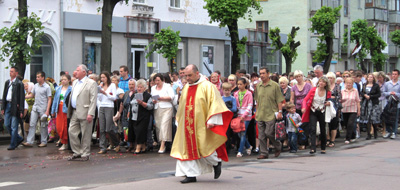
(243,139)
(292,136)
(392,127)
(11,123)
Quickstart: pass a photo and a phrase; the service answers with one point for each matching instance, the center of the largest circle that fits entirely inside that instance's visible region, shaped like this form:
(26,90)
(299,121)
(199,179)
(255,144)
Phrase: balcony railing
(394,51)
(376,14)
(394,17)
(317,4)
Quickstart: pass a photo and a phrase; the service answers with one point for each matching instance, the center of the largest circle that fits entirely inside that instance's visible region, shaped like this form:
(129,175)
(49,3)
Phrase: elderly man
(81,112)
(203,120)
(319,72)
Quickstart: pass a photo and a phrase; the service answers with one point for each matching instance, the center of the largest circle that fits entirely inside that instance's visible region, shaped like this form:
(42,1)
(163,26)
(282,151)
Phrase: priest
(203,118)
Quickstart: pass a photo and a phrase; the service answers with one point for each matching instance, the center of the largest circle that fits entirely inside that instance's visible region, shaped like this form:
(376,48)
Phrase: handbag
(280,131)
(237,125)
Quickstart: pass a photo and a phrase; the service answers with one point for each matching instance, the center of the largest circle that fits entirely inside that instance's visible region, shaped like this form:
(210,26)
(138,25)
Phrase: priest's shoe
(217,170)
(189,180)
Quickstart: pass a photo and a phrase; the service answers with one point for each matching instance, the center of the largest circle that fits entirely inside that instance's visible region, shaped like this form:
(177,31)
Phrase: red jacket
(307,102)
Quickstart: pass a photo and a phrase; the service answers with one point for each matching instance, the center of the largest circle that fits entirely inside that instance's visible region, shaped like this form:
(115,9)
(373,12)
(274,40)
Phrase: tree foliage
(371,42)
(227,13)
(289,49)
(15,44)
(166,43)
(323,23)
(395,37)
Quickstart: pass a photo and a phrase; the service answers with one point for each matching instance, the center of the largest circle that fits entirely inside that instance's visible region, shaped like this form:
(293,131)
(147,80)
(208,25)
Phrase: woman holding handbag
(313,109)
(244,101)
(370,111)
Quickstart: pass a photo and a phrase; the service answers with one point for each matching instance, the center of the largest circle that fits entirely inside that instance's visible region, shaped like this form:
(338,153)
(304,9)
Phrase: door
(139,66)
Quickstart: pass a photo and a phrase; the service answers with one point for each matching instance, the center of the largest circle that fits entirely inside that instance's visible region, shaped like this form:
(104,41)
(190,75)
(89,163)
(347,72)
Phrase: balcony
(394,51)
(376,14)
(317,4)
(314,44)
(394,17)
(142,10)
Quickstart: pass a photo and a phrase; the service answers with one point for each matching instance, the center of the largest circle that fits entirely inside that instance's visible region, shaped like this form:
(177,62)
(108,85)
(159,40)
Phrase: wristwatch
(280,111)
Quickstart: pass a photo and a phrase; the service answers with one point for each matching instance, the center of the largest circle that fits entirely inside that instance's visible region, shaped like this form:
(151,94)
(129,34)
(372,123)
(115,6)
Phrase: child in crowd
(230,102)
(293,122)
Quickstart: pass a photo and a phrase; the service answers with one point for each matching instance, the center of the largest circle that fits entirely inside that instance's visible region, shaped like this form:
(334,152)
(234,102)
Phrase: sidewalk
(362,165)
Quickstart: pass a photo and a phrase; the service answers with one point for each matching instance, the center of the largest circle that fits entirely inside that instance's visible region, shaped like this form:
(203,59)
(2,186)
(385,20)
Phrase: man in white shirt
(81,112)
(319,72)
(13,107)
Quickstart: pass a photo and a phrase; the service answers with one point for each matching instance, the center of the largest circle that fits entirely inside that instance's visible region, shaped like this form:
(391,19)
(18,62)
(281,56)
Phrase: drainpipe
(62,34)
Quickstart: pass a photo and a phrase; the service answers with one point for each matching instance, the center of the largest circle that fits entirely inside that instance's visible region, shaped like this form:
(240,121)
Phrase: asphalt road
(47,168)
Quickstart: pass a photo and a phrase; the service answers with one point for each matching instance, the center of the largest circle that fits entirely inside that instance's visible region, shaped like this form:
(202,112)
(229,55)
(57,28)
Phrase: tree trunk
(234,34)
(22,12)
(328,59)
(288,61)
(362,64)
(106,27)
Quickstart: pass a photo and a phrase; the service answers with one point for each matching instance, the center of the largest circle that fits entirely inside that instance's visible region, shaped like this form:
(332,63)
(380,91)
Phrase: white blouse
(318,102)
(107,100)
(166,91)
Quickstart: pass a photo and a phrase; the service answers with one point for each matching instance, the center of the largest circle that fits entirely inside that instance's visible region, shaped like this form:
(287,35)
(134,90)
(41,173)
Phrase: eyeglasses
(345,76)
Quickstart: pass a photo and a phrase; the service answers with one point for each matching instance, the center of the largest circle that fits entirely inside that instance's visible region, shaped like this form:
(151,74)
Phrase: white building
(73,36)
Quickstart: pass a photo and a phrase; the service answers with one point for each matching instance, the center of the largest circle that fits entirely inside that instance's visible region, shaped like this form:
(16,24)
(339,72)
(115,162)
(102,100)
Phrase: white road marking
(63,188)
(9,183)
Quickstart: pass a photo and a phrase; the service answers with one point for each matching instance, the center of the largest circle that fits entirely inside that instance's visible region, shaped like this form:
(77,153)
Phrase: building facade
(287,13)
(73,36)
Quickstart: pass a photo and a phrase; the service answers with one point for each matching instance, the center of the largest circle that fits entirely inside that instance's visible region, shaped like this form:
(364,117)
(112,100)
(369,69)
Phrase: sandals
(332,144)
(328,142)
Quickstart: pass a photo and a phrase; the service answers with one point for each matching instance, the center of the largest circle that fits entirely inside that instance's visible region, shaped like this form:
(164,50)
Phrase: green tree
(15,39)
(227,13)
(323,22)
(370,41)
(106,31)
(395,37)
(166,43)
(289,49)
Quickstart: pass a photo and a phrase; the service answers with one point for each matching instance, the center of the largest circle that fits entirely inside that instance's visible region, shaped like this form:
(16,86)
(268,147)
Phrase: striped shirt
(350,100)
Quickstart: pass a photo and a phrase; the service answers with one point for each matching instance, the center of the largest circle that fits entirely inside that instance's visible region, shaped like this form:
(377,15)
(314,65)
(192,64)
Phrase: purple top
(300,95)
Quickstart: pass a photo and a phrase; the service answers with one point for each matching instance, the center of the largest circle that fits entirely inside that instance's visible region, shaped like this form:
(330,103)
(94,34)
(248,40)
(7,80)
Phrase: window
(346,8)
(262,31)
(272,60)
(175,3)
(397,6)
(42,60)
(92,53)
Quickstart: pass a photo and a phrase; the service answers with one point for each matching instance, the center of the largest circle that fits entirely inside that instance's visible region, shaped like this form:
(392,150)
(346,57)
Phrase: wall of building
(194,56)
(73,45)
(284,14)
(49,13)
(191,11)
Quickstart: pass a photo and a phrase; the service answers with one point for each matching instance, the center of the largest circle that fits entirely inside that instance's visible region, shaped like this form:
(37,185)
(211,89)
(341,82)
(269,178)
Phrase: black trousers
(349,121)
(315,117)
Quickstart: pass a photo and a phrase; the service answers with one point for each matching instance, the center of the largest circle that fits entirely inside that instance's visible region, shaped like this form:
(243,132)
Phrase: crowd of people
(121,113)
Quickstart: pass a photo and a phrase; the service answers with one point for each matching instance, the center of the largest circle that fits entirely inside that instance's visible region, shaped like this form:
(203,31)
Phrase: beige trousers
(80,147)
